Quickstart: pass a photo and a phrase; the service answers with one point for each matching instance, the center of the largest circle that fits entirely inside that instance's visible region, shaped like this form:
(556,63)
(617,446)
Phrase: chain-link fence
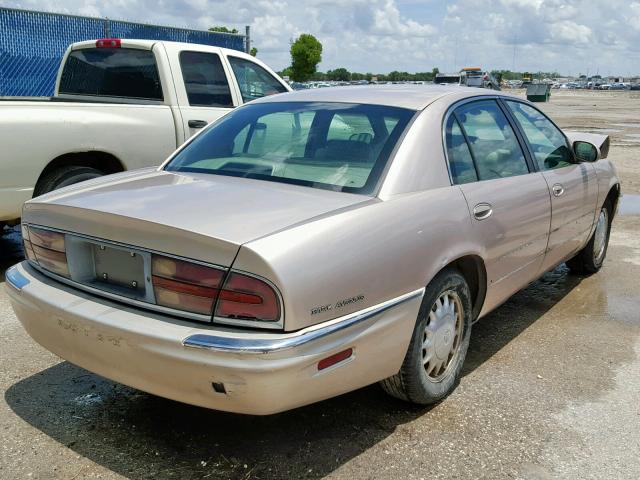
(32,44)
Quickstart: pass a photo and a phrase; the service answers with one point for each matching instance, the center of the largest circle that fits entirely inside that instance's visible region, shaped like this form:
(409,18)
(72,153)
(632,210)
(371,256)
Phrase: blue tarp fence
(32,44)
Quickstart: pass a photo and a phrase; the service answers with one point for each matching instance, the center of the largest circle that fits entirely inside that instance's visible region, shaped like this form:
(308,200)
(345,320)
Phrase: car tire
(65,176)
(590,259)
(439,343)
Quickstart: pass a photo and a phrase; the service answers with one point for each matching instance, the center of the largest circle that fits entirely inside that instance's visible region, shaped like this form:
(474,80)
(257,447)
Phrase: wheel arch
(102,161)
(472,268)
(613,197)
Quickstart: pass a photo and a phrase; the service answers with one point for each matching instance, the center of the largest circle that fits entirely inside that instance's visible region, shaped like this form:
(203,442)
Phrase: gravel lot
(550,388)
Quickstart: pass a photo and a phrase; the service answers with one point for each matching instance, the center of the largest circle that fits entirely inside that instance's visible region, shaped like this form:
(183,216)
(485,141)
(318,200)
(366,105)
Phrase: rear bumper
(11,200)
(262,373)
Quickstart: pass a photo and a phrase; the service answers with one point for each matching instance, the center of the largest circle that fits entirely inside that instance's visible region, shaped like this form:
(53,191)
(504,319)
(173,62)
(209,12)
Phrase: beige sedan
(311,243)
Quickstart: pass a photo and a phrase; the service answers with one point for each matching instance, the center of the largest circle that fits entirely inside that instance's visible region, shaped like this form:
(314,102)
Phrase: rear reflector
(334,359)
(108,43)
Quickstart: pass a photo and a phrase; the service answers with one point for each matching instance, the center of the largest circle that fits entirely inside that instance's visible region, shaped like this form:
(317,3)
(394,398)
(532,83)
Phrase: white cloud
(414,35)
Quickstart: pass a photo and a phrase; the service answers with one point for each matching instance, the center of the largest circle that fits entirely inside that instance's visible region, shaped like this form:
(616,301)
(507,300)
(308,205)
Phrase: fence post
(107,28)
(247,39)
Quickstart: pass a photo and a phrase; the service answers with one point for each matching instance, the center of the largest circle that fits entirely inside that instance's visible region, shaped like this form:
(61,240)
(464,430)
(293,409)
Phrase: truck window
(111,72)
(205,80)
(253,80)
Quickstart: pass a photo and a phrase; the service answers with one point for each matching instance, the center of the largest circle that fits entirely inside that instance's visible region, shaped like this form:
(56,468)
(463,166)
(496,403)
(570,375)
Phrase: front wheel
(591,257)
(439,343)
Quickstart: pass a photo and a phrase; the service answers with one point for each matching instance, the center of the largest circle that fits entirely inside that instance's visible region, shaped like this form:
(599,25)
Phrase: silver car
(311,243)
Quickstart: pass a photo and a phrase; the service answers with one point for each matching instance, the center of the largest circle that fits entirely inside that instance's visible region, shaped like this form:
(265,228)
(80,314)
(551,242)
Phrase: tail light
(248,298)
(185,285)
(196,288)
(109,43)
(178,284)
(46,248)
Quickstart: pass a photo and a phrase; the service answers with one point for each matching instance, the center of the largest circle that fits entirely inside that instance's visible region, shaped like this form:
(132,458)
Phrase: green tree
(340,74)
(306,54)
(253,52)
(223,29)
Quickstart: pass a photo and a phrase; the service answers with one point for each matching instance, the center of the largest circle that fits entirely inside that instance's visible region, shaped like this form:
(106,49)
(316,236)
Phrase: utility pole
(247,39)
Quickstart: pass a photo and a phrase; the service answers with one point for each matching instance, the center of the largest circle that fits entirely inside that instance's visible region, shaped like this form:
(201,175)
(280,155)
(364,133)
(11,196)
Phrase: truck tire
(439,344)
(65,176)
(591,257)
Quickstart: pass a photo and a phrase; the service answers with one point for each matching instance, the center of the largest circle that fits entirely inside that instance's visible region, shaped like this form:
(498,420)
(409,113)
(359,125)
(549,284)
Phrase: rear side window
(460,160)
(492,141)
(205,80)
(253,80)
(111,72)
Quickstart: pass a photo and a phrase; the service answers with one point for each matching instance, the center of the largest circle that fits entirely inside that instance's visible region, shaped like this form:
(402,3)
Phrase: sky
(568,36)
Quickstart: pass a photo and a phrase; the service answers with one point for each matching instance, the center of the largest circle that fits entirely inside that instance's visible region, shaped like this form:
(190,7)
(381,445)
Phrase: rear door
(573,185)
(508,201)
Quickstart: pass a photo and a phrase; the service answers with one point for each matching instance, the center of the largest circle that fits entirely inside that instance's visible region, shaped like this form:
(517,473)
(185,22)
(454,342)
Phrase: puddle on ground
(627,125)
(629,205)
(602,131)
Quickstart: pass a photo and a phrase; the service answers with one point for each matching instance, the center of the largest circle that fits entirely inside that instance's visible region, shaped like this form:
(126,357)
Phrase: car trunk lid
(199,216)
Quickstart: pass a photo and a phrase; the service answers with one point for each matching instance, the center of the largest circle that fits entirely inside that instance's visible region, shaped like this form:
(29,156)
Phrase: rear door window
(492,141)
(253,80)
(205,80)
(461,163)
(111,72)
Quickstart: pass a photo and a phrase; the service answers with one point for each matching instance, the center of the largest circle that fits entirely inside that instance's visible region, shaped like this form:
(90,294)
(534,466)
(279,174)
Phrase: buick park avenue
(311,243)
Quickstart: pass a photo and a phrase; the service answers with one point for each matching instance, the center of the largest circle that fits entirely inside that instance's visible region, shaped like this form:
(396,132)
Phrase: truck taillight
(248,298)
(109,43)
(46,248)
(185,285)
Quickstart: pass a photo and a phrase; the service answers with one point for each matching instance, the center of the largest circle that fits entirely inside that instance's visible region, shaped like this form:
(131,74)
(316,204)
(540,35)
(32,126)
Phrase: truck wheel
(590,258)
(65,176)
(439,344)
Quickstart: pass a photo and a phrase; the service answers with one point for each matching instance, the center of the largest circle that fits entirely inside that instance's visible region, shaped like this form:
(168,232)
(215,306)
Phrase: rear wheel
(439,344)
(65,176)
(591,257)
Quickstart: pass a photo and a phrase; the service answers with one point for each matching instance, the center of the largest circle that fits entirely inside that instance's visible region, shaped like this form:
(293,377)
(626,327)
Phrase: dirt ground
(550,389)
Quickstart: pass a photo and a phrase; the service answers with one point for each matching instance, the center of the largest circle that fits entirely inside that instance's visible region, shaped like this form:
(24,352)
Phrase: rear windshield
(111,72)
(337,146)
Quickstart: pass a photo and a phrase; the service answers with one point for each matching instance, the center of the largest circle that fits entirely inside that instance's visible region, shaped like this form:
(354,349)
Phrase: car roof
(414,97)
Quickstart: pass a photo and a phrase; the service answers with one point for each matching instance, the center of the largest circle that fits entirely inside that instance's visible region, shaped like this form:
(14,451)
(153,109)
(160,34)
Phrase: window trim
(451,111)
(526,140)
(224,71)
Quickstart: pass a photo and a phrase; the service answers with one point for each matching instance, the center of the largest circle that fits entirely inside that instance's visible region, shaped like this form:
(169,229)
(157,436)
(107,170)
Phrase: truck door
(253,80)
(204,95)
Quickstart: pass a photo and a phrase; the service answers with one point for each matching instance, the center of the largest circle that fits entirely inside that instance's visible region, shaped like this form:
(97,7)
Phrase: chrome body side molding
(285,341)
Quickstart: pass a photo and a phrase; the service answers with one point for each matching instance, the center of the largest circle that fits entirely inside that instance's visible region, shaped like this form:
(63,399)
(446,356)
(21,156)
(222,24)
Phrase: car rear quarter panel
(372,253)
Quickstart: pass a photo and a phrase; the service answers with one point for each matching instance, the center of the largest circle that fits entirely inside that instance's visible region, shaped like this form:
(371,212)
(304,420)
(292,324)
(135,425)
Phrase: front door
(573,187)
(509,204)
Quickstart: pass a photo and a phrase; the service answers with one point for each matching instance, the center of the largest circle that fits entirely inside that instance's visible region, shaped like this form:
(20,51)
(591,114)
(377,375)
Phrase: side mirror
(585,151)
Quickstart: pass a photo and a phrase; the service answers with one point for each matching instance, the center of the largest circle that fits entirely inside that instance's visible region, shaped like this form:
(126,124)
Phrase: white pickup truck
(119,105)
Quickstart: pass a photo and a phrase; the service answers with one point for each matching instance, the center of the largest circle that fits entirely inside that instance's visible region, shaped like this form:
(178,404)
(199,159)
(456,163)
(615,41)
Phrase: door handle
(557,190)
(197,123)
(482,211)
